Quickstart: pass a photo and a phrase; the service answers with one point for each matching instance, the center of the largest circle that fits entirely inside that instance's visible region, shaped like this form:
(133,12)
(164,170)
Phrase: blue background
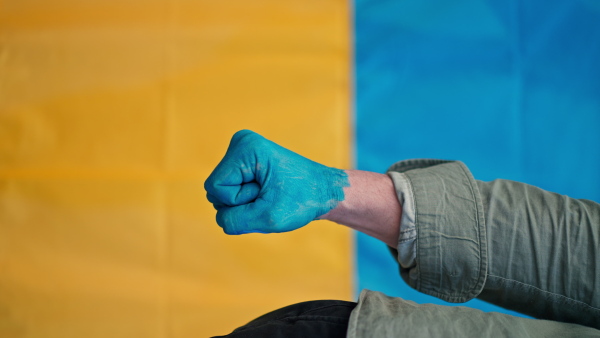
(511,88)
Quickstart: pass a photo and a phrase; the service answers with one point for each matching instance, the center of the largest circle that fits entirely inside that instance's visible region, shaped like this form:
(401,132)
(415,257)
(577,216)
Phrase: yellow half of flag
(112,115)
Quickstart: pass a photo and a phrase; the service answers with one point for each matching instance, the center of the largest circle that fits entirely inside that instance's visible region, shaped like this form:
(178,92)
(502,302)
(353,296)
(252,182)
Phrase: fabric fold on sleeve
(378,315)
(450,247)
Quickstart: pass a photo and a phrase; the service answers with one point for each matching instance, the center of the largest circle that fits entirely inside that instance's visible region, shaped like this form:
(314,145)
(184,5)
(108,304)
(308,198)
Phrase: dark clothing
(318,318)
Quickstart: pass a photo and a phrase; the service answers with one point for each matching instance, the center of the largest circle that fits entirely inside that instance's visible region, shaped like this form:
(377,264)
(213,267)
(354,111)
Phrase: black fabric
(318,318)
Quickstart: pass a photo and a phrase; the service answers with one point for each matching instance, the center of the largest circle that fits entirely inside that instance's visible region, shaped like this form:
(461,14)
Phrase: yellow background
(112,114)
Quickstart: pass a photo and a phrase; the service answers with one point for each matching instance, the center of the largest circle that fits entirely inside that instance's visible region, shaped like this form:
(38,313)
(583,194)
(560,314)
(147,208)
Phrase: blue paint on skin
(262,187)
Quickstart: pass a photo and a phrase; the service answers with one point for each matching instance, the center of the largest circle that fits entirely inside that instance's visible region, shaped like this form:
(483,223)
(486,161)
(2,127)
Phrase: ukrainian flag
(113,113)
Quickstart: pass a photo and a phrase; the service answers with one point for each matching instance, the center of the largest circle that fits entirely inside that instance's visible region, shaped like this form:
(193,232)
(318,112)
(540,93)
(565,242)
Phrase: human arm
(509,243)
(370,206)
(506,242)
(544,250)
(260,186)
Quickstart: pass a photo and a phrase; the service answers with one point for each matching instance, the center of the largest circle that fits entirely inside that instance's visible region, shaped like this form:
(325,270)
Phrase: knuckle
(272,218)
(207,185)
(243,136)
(210,184)
(228,221)
(247,138)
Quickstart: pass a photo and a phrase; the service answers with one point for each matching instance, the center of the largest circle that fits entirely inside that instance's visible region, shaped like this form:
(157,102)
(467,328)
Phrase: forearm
(543,250)
(370,206)
(506,242)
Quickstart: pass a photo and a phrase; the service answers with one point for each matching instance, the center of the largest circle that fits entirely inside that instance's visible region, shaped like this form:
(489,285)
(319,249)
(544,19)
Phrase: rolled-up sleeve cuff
(442,247)
(407,252)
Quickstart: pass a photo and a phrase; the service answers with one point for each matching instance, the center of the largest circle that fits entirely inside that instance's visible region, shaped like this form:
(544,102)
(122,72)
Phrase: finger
(247,193)
(241,135)
(229,173)
(238,166)
(241,219)
(235,195)
(215,202)
(225,174)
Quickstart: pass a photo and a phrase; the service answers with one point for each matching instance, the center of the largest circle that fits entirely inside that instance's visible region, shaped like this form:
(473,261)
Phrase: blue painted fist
(260,186)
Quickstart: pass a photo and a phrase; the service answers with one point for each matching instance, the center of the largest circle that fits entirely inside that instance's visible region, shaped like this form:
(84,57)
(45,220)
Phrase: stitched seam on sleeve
(414,204)
(479,239)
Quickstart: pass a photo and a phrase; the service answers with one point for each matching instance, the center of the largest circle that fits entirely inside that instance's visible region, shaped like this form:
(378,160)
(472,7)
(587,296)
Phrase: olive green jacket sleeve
(380,316)
(508,243)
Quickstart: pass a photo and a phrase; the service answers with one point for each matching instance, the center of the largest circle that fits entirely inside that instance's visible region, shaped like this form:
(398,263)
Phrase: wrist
(370,205)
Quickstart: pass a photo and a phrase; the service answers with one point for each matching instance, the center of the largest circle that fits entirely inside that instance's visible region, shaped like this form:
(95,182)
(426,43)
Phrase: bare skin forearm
(370,206)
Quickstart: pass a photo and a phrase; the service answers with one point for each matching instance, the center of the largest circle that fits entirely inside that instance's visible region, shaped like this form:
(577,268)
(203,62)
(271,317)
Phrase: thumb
(233,195)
